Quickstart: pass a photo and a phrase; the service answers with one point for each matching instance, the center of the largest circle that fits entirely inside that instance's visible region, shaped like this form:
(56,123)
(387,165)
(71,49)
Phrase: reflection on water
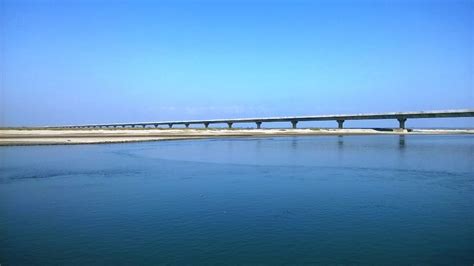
(326,200)
(340,141)
(401,142)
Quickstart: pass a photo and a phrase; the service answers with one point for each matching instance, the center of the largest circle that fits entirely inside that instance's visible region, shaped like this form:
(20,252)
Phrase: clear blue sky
(67,62)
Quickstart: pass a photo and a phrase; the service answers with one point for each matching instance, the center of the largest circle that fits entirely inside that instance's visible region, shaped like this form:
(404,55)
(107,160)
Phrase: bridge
(401,117)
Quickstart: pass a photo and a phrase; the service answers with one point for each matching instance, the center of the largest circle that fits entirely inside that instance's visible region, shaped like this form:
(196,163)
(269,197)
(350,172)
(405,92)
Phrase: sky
(78,62)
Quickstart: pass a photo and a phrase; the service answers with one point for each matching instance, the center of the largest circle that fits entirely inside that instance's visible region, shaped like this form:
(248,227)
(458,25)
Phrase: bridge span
(401,117)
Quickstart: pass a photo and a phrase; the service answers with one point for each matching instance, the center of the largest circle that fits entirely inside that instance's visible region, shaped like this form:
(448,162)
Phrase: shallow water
(327,200)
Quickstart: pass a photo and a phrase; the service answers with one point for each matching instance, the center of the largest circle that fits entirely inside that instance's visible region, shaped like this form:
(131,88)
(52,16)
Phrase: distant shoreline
(28,136)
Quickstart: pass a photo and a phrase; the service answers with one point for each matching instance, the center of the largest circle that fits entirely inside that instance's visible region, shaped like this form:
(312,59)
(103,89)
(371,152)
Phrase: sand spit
(95,136)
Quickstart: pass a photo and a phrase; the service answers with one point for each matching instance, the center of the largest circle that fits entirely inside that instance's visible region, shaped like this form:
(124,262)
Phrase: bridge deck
(400,116)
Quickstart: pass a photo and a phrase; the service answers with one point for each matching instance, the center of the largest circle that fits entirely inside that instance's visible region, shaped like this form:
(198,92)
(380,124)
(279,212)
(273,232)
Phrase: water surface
(325,199)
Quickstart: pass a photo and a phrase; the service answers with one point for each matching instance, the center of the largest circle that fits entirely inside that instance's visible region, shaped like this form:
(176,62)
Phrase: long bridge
(401,117)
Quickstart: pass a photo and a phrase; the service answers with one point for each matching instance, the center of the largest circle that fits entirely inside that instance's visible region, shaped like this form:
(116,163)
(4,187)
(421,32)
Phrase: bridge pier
(340,123)
(170,125)
(259,125)
(206,125)
(401,122)
(229,124)
(293,123)
(144,126)
(186,125)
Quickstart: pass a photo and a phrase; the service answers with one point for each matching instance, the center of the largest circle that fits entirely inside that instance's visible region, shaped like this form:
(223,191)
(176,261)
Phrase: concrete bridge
(340,119)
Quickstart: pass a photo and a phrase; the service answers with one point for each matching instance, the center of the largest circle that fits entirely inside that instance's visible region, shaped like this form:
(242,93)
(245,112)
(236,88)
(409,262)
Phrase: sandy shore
(94,136)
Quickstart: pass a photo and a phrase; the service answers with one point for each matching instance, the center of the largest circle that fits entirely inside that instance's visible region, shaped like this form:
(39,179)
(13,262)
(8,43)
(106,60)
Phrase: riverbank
(95,136)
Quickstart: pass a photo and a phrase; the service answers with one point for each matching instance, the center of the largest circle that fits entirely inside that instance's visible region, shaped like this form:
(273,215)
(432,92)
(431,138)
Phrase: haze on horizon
(79,62)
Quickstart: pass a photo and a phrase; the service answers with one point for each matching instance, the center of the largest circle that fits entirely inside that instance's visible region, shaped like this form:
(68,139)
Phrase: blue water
(296,200)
